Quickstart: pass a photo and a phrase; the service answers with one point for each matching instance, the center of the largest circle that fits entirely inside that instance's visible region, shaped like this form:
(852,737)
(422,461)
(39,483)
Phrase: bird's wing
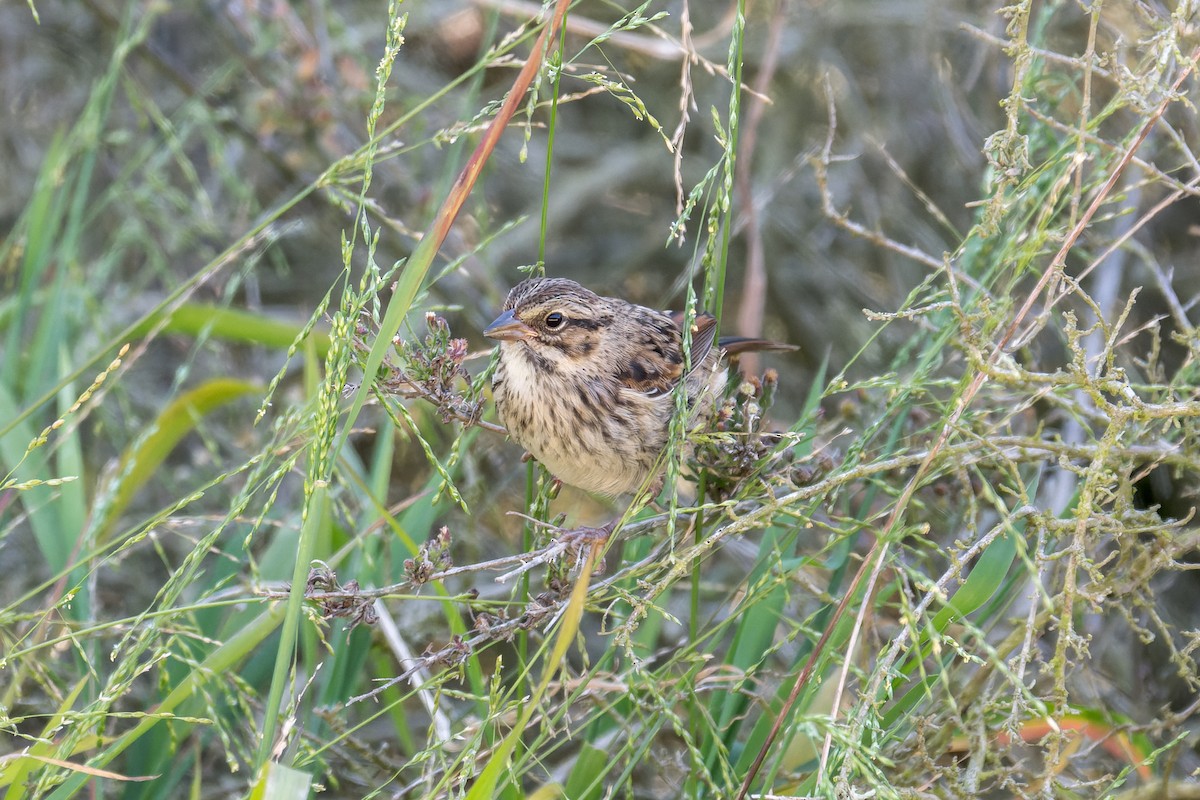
(663,368)
(702,336)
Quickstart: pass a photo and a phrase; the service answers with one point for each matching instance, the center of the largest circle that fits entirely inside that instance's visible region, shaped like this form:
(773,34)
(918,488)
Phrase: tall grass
(253,552)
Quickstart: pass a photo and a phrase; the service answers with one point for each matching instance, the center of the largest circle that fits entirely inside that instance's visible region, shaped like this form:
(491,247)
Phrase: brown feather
(662,368)
(736,345)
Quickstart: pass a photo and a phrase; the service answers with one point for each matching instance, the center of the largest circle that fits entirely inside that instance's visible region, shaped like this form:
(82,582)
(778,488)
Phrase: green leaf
(234,325)
(146,455)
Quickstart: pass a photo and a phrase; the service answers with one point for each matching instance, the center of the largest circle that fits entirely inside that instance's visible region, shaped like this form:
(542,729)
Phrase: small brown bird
(585,382)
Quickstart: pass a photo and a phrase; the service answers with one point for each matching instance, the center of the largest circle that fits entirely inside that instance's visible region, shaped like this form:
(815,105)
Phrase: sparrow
(585,383)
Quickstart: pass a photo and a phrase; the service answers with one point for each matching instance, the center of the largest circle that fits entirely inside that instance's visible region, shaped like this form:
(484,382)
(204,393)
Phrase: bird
(585,382)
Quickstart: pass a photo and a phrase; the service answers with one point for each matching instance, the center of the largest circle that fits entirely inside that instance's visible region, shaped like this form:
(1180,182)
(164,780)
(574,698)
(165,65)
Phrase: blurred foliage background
(986,446)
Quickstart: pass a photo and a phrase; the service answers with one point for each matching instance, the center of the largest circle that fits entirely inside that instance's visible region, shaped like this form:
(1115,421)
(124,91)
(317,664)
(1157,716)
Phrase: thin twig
(754,284)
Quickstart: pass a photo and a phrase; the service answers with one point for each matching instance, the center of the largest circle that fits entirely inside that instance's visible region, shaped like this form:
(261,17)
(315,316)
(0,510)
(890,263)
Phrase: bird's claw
(588,535)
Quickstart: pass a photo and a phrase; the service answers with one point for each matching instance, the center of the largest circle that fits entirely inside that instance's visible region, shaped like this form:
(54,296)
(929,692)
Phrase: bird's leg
(585,534)
(573,538)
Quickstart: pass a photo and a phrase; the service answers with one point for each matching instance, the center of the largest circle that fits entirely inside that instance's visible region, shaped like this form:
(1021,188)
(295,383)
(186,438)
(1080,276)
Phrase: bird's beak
(507,328)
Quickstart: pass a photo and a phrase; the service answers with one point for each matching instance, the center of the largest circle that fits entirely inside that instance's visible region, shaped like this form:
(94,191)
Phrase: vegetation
(260,534)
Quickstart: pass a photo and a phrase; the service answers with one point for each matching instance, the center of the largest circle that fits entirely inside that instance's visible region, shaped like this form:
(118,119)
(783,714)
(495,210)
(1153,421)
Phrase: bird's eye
(555,321)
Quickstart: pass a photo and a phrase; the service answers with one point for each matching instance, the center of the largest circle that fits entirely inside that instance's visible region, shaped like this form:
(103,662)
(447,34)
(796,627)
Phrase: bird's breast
(586,429)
